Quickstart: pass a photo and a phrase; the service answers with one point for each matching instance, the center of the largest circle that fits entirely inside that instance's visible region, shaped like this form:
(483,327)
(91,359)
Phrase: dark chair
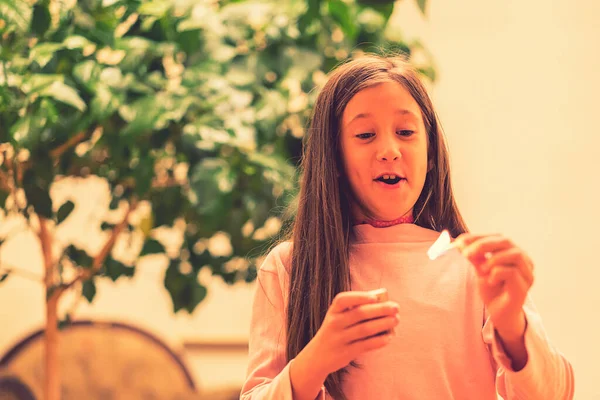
(12,388)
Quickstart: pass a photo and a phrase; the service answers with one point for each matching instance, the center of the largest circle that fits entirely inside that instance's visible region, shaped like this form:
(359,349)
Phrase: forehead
(382,99)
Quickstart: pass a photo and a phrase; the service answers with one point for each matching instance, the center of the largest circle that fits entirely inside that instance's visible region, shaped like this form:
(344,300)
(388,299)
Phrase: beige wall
(517,98)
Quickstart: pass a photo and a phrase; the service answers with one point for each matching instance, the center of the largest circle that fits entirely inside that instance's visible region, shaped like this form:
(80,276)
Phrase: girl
(375,194)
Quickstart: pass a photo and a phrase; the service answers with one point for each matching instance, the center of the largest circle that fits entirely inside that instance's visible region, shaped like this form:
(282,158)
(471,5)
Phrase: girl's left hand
(505,274)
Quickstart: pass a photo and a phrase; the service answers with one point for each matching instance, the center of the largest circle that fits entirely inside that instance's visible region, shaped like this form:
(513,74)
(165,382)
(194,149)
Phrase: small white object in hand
(441,245)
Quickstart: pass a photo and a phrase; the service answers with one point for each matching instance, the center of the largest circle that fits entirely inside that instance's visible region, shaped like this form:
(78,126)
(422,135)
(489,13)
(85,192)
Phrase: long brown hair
(321,231)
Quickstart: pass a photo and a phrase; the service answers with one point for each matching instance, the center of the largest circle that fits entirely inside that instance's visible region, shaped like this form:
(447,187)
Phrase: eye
(405,133)
(365,135)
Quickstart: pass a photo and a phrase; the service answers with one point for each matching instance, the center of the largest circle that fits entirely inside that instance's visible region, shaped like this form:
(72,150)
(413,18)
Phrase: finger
(503,274)
(369,328)
(488,244)
(466,239)
(478,251)
(369,344)
(369,311)
(511,257)
(517,287)
(347,300)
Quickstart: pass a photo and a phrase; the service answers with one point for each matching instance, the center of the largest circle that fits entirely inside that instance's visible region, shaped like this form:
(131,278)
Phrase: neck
(407,219)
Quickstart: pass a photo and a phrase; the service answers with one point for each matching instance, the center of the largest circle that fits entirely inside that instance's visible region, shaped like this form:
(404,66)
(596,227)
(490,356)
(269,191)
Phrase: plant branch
(22,273)
(101,256)
(6,178)
(9,179)
(46,242)
(4,183)
(75,305)
(73,141)
(18,179)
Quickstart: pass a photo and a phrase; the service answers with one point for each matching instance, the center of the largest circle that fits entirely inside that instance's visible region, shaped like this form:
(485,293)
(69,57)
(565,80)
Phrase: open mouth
(389,179)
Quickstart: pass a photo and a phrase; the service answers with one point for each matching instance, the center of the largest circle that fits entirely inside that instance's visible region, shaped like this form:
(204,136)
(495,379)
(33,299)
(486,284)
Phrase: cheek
(417,160)
(354,174)
(354,165)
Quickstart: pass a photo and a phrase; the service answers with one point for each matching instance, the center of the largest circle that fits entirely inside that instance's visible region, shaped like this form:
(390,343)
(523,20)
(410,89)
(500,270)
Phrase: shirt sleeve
(268,372)
(548,375)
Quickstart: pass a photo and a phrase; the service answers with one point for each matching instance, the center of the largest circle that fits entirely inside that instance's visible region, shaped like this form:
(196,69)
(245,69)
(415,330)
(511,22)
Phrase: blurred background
(148,154)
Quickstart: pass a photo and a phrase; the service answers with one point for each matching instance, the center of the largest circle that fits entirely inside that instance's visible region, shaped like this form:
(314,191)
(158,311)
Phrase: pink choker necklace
(384,224)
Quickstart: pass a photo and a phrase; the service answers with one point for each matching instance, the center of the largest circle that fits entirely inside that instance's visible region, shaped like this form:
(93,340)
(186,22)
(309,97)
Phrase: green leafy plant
(195,108)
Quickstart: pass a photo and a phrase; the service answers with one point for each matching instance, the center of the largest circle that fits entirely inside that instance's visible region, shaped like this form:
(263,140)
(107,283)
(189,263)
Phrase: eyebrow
(400,111)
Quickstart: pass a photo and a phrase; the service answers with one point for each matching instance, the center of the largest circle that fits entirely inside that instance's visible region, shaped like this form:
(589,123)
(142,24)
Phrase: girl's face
(384,150)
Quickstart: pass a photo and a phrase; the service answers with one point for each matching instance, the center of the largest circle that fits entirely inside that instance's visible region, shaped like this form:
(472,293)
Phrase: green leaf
(113,77)
(152,246)
(115,269)
(77,42)
(311,14)
(105,226)
(87,73)
(167,205)
(40,19)
(141,115)
(40,199)
(3,197)
(341,13)
(4,276)
(186,293)
(422,6)
(146,224)
(283,169)
(43,53)
(148,23)
(105,102)
(251,274)
(210,180)
(155,8)
(64,211)
(17,12)
(89,290)
(65,94)
(429,72)
(143,174)
(385,9)
(21,131)
(52,114)
(114,203)
(34,83)
(64,323)
(79,257)
(239,75)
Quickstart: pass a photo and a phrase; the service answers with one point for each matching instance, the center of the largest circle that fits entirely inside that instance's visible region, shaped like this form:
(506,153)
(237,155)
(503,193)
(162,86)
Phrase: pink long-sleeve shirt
(444,348)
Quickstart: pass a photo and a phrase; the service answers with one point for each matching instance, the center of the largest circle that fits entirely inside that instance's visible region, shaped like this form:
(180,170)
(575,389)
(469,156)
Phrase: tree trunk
(52,383)
(51,359)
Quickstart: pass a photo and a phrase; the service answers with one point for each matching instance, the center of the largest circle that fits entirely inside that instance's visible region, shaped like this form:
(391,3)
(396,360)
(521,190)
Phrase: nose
(389,150)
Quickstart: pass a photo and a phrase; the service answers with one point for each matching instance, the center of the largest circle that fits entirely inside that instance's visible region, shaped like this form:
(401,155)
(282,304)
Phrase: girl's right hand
(355,323)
